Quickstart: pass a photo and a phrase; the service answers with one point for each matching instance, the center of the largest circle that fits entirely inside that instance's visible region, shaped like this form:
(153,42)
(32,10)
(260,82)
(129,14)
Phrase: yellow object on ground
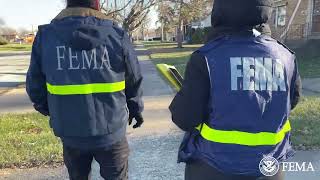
(167,71)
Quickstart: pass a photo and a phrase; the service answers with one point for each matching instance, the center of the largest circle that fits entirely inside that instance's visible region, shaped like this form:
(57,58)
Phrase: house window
(280,16)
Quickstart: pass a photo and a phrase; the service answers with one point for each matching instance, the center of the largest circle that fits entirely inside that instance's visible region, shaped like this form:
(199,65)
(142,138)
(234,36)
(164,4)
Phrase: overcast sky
(28,13)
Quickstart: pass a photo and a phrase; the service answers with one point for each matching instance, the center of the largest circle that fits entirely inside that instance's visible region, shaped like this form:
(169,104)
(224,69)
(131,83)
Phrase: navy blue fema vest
(249,108)
(82,60)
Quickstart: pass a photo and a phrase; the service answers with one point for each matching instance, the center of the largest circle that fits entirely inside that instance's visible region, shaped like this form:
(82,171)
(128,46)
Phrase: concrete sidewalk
(15,101)
(14,53)
(311,87)
(153,84)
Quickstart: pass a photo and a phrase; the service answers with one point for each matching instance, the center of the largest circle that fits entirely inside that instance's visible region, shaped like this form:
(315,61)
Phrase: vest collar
(262,29)
(78,11)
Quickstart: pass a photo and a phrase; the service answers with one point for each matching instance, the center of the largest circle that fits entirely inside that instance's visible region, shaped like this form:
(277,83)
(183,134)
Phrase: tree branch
(115,11)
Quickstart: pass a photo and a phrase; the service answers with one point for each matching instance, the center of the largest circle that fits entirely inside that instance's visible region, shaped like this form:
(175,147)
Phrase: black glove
(138,118)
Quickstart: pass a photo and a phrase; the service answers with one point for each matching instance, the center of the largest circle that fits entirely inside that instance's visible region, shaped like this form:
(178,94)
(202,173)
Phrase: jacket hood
(71,28)
(240,13)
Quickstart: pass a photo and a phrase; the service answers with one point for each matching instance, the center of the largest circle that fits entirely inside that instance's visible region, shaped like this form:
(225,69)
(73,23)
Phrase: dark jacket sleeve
(296,87)
(133,79)
(190,106)
(36,80)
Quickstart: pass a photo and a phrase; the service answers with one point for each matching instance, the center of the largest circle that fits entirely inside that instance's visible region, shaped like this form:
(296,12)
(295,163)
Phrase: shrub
(3,41)
(199,35)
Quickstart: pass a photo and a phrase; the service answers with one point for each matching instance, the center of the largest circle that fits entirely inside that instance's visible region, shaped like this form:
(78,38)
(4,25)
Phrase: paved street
(15,101)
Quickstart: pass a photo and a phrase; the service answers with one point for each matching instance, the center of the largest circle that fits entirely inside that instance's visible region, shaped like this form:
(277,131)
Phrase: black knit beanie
(94,4)
(241,13)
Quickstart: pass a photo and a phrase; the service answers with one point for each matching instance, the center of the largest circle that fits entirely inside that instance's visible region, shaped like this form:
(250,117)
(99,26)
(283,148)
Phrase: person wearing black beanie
(226,18)
(234,13)
(237,95)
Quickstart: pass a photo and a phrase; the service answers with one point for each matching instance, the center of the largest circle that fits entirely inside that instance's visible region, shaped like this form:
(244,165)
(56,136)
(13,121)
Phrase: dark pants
(199,170)
(113,162)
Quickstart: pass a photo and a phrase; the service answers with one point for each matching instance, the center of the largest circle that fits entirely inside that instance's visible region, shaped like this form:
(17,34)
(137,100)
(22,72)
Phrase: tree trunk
(180,34)
(162,32)
(115,8)
(180,25)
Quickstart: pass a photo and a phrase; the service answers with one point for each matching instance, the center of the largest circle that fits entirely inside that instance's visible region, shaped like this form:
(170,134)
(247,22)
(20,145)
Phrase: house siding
(302,25)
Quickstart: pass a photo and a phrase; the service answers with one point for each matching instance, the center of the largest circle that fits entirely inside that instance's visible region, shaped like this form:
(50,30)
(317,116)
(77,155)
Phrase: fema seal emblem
(269,166)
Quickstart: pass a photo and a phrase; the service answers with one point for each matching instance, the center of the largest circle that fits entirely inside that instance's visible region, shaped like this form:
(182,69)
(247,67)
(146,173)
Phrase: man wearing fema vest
(236,98)
(85,75)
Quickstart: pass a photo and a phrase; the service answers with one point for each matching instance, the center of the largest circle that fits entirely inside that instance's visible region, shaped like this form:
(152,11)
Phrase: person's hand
(139,120)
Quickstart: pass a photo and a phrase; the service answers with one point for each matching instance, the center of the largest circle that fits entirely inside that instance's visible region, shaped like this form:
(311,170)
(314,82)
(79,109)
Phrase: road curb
(4,91)
(7,90)
(4,54)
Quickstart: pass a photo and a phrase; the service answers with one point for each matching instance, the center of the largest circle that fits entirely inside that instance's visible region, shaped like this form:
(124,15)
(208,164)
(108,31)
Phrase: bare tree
(187,11)
(166,14)
(131,14)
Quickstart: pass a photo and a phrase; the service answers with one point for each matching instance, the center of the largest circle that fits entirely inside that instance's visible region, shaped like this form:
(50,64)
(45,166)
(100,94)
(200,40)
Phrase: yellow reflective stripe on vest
(86,88)
(243,138)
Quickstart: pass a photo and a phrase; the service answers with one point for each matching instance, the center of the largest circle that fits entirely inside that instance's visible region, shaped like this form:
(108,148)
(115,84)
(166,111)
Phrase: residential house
(291,20)
(204,23)
(10,37)
(296,19)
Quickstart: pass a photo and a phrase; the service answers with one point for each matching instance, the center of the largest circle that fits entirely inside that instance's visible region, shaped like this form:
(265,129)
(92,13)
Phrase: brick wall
(300,24)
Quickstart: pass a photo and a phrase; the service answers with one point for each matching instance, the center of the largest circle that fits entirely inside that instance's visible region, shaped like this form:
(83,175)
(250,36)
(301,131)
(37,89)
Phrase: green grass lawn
(158,44)
(308,57)
(27,141)
(168,45)
(308,67)
(16,47)
(172,55)
(305,122)
(178,60)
